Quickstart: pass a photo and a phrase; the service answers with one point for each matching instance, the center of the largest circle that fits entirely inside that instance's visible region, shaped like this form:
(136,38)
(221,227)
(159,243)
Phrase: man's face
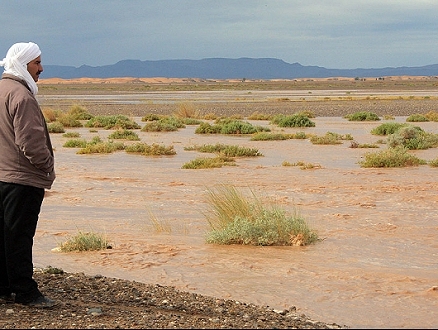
(35,68)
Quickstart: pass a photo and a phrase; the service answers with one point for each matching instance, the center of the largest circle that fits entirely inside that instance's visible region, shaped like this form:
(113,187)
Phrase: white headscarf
(16,60)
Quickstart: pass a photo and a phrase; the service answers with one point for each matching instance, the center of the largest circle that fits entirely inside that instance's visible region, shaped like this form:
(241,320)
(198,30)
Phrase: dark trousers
(20,206)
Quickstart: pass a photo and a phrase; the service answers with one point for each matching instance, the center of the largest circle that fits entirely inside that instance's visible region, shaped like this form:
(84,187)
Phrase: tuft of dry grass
(85,241)
(236,219)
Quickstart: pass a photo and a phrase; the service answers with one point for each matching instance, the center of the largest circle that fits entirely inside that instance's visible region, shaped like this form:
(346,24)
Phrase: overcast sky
(338,34)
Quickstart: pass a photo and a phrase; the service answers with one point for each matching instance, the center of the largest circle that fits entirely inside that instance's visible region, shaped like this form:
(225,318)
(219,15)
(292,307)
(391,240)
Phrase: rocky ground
(318,108)
(98,302)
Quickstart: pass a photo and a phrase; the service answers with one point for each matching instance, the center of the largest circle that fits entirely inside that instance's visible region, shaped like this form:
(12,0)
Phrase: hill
(224,68)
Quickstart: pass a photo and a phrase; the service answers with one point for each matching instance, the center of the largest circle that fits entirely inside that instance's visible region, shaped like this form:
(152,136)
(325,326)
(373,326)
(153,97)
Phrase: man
(26,170)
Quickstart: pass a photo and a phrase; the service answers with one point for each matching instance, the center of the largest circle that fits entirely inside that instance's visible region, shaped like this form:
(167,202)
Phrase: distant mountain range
(225,68)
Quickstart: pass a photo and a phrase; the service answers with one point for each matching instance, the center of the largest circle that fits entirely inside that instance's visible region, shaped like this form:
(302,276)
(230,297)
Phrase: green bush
(413,138)
(227,150)
(112,122)
(391,157)
(362,116)
(151,117)
(387,128)
(330,138)
(266,136)
(204,163)
(174,121)
(88,241)
(229,126)
(71,135)
(96,147)
(69,121)
(75,143)
(417,118)
(150,150)
(295,120)
(206,128)
(191,121)
(235,219)
(158,126)
(124,134)
(239,127)
(55,127)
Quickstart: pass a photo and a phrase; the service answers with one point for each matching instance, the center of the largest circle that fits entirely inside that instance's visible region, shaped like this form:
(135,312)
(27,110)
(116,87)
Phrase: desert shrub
(75,143)
(174,121)
(307,113)
(434,162)
(164,124)
(79,113)
(71,135)
(432,116)
(229,126)
(362,116)
(209,116)
(150,150)
(159,126)
(55,127)
(302,165)
(259,116)
(413,138)
(191,121)
(186,110)
(355,144)
(101,147)
(235,219)
(112,122)
(387,128)
(239,127)
(330,138)
(227,150)
(85,241)
(391,157)
(124,134)
(266,136)
(49,114)
(300,136)
(206,128)
(203,163)
(417,117)
(151,117)
(295,120)
(69,121)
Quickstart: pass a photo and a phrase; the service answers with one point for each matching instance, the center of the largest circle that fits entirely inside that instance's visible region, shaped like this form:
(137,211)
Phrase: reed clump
(236,219)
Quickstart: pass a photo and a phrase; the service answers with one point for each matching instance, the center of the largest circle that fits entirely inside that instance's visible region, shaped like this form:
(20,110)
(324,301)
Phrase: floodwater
(376,265)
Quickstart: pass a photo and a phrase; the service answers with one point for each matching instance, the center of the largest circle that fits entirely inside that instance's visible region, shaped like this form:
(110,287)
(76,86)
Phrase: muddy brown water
(377,265)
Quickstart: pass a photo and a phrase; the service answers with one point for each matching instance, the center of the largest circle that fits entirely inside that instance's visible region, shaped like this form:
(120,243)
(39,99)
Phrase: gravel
(404,107)
(91,302)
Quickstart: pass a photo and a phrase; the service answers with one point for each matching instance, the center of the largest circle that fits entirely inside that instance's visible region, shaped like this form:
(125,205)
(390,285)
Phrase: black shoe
(41,302)
(7,299)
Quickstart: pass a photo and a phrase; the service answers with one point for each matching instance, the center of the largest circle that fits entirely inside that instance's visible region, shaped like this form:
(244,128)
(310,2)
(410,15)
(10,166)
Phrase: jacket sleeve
(31,135)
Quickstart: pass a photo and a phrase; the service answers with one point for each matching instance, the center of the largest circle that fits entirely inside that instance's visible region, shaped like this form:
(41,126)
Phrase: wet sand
(376,266)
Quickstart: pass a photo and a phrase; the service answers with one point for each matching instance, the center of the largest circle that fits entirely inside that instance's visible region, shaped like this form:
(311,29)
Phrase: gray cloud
(330,33)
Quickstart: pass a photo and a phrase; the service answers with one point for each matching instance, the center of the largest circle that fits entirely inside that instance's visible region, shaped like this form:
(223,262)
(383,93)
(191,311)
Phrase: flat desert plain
(377,263)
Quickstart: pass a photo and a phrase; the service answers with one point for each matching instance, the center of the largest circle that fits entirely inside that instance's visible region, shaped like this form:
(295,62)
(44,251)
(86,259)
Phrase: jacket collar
(12,77)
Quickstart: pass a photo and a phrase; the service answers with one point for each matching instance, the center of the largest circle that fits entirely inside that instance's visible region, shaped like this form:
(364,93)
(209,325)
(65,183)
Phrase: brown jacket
(26,154)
